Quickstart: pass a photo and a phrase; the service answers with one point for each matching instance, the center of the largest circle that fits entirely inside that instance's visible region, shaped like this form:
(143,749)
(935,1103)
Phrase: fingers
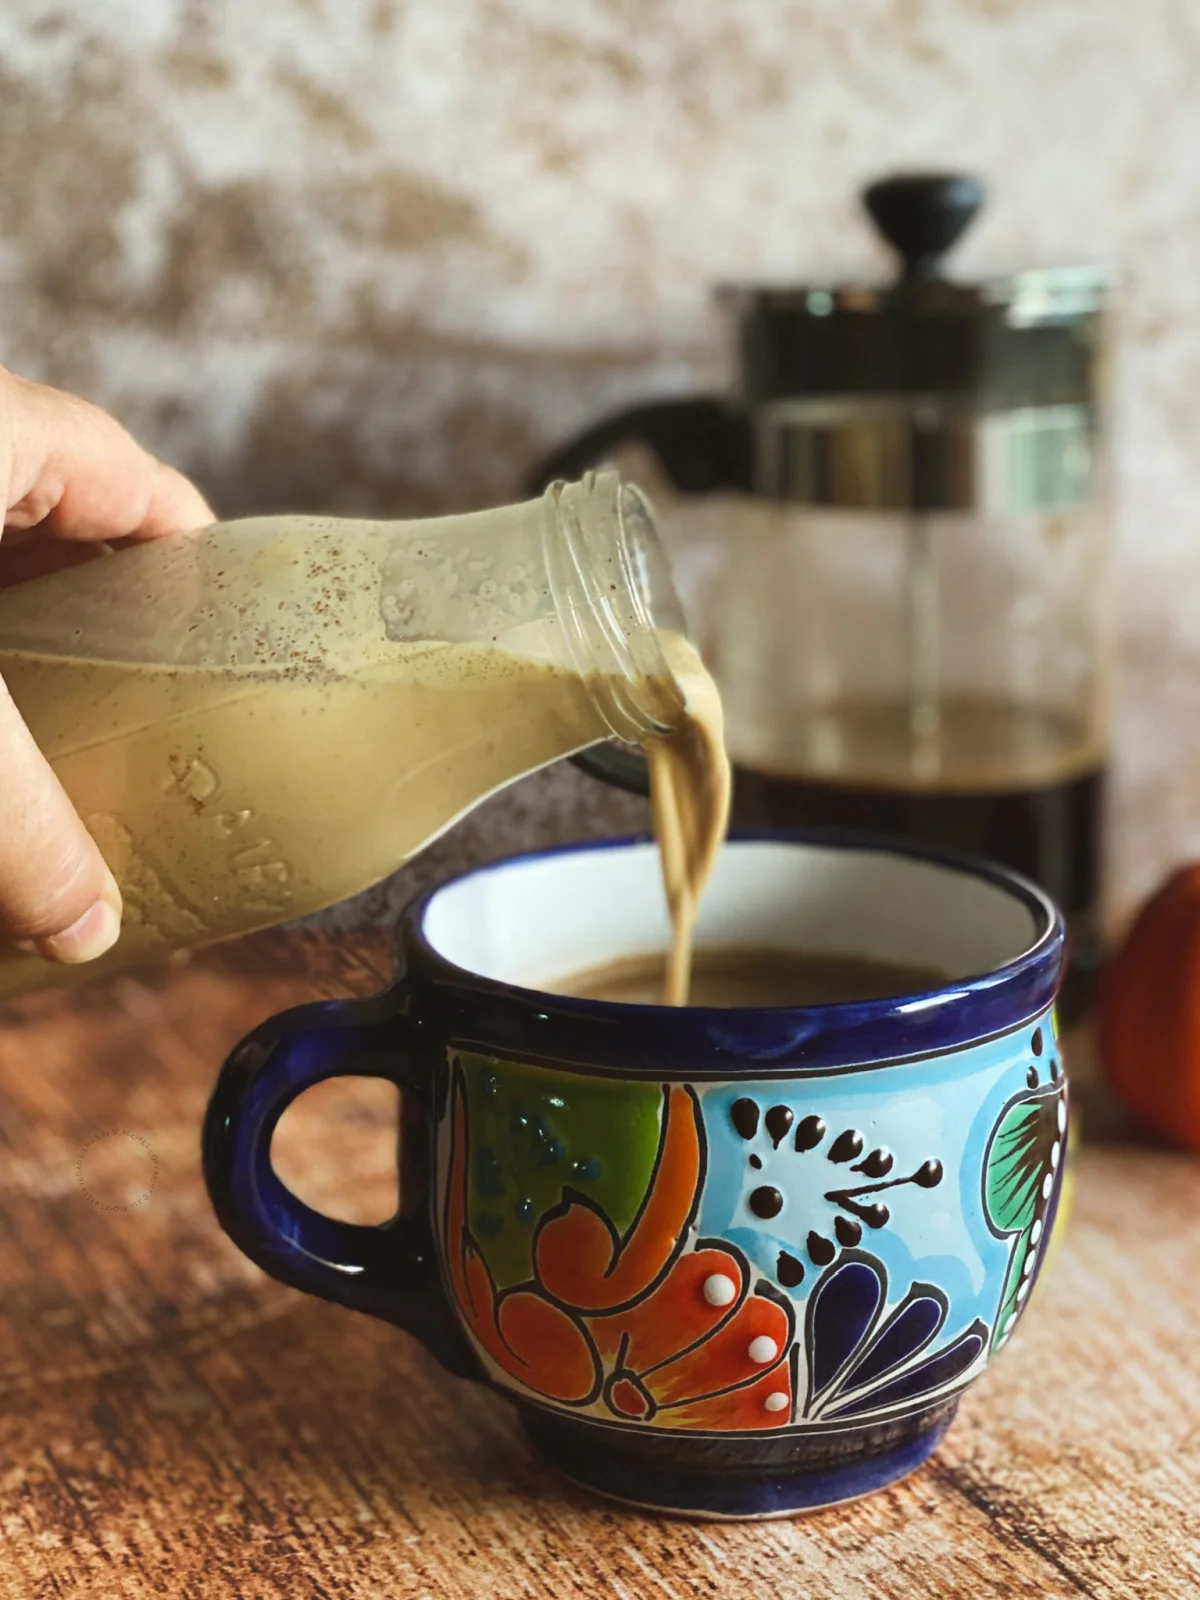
(176,506)
(57,896)
(73,470)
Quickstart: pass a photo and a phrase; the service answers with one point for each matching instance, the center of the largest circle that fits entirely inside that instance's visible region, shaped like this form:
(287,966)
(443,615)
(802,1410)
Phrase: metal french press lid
(925,393)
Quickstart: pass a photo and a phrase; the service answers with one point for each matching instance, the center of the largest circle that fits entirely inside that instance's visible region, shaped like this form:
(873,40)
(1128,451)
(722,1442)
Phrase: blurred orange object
(1149,1014)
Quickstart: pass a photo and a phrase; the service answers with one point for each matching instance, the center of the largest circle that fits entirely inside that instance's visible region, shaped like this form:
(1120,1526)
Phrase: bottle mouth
(614,595)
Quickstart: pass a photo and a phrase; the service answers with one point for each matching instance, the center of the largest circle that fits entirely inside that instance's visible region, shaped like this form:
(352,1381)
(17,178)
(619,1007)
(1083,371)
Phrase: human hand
(73,484)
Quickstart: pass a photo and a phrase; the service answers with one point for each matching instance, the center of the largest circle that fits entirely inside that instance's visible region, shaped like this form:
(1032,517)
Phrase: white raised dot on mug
(719,1289)
(1023,1291)
(1047,1185)
(776,1402)
(1062,1113)
(762,1349)
(1035,1233)
(1030,1260)
(1056,1153)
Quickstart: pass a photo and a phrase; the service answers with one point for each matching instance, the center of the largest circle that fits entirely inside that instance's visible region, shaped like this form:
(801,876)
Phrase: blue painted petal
(841,1312)
(909,1328)
(924,1378)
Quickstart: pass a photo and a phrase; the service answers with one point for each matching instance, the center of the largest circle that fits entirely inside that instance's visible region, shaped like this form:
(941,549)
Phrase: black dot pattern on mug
(779,1120)
(877,1165)
(788,1270)
(857,1204)
(1037,1044)
(847,1146)
(821,1251)
(766,1201)
(809,1133)
(744,1115)
(848,1231)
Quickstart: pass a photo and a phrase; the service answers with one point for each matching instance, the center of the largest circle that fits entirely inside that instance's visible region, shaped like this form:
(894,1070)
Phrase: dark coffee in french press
(1047,828)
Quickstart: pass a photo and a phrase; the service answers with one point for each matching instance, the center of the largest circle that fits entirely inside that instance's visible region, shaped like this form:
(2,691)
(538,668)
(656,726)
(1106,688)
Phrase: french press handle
(703,445)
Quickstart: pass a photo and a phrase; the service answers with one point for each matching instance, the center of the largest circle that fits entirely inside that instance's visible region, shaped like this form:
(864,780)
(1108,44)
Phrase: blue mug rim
(624,1040)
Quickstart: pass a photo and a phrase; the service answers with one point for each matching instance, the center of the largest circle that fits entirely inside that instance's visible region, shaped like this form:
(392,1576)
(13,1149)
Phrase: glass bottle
(269,716)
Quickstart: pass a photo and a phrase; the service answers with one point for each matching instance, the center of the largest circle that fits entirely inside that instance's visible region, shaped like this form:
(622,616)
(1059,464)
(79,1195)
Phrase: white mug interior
(534,920)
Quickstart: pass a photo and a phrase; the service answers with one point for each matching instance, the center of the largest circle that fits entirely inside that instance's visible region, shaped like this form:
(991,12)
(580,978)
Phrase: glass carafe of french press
(910,636)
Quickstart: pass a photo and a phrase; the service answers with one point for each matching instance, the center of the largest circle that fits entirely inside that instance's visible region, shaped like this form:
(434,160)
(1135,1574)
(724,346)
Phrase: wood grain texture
(173,1423)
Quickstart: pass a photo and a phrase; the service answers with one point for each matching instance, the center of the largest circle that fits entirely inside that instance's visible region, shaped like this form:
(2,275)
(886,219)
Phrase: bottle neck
(614,598)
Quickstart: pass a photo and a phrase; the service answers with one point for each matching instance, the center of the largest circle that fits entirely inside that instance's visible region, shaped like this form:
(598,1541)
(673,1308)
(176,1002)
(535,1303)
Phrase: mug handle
(389,1270)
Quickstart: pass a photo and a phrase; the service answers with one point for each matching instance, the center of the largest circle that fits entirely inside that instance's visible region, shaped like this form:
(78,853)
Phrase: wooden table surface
(173,1423)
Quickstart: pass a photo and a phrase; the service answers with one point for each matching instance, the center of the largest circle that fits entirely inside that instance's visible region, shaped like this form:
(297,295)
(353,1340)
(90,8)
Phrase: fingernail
(89,936)
(111,894)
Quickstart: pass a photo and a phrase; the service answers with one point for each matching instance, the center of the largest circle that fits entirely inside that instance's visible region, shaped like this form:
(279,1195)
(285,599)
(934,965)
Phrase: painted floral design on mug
(628,1322)
(581,1257)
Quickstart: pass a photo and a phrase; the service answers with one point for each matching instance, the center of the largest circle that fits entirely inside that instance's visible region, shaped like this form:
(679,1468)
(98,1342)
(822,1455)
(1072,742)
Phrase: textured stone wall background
(376,254)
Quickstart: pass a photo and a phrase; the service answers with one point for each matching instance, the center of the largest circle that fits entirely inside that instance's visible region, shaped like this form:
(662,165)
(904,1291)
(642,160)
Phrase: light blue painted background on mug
(943,1108)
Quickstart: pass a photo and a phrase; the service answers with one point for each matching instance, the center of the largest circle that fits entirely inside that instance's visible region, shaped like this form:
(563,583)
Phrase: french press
(911,632)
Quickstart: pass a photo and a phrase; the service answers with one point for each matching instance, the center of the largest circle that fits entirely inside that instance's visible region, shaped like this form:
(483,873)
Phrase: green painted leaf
(534,1131)
(1019,1159)
(1016,1164)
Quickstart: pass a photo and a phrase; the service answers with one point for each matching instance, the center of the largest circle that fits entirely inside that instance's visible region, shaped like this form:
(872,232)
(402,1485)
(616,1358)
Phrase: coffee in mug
(749,977)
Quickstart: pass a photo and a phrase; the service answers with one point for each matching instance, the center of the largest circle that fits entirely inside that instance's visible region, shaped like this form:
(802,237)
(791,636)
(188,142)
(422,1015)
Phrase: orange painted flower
(656,1326)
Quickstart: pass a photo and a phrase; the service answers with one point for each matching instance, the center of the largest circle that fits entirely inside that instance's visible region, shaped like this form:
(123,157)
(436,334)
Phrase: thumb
(57,896)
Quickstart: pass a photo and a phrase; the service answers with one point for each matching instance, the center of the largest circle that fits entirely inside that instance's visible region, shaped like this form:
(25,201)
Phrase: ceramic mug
(724,1262)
